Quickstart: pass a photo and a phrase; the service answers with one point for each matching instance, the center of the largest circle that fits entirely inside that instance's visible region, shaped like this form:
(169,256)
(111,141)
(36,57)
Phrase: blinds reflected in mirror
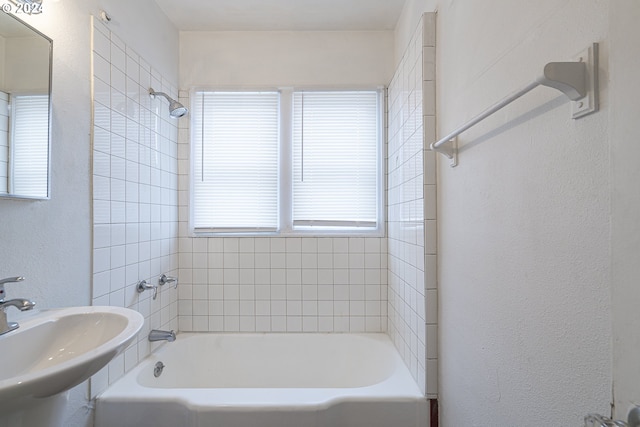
(29,147)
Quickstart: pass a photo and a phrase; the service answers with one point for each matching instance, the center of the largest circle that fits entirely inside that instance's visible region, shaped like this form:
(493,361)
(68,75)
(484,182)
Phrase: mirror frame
(49,127)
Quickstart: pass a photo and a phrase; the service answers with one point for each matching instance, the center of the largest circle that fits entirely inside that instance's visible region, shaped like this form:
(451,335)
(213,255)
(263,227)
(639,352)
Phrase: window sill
(297,233)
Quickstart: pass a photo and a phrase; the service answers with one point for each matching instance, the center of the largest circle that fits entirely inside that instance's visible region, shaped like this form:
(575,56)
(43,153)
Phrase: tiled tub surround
(135,213)
(295,284)
(283,284)
(276,284)
(412,208)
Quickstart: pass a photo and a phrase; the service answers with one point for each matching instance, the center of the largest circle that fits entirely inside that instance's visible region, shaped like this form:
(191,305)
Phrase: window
(235,173)
(287,162)
(335,145)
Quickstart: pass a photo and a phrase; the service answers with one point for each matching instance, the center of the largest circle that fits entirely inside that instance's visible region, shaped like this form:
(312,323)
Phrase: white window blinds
(29,145)
(335,159)
(235,161)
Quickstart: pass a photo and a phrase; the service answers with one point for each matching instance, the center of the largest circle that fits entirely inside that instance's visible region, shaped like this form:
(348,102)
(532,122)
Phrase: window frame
(285,170)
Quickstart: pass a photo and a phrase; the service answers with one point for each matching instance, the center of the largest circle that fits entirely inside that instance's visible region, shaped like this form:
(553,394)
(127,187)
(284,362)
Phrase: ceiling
(287,15)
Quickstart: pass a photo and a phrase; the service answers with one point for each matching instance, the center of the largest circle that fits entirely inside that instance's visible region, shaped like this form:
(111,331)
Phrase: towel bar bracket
(450,150)
(589,103)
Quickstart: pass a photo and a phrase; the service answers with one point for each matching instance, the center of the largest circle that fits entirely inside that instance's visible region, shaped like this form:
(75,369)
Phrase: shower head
(176,109)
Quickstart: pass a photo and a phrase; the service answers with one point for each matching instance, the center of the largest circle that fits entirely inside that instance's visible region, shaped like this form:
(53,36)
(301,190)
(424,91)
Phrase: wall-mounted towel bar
(578,80)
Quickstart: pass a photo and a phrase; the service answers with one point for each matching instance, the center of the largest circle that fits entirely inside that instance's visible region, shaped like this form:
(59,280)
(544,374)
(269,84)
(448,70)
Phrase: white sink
(57,349)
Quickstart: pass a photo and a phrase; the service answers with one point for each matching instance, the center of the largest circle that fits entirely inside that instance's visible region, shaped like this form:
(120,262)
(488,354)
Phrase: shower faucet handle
(164,279)
(143,285)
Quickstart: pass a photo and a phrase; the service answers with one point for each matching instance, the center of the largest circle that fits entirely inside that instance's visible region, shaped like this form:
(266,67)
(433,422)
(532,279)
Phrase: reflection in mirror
(25,109)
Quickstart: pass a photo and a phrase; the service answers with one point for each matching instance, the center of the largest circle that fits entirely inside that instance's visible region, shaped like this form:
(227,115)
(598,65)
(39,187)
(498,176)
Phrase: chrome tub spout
(158,335)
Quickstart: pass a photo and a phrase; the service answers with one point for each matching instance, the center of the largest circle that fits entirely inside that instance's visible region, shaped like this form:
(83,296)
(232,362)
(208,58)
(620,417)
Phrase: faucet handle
(143,285)
(8,280)
(164,279)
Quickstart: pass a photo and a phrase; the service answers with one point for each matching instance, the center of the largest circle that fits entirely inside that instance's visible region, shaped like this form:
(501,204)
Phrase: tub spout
(158,335)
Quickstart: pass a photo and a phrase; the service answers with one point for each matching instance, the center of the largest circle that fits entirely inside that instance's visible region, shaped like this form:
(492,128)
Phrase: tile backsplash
(135,192)
(282,284)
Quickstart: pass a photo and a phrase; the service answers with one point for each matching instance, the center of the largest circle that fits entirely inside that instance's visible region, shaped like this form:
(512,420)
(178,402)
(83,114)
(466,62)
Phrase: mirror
(25,109)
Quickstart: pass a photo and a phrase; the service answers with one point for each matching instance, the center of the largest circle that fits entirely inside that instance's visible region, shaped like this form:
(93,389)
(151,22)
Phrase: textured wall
(524,267)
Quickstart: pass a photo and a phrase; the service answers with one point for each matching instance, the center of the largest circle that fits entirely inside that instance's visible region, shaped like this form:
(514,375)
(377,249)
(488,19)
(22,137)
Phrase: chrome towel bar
(577,80)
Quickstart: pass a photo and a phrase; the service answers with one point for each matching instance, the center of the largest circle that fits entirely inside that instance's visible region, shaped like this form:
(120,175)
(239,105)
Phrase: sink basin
(57,349)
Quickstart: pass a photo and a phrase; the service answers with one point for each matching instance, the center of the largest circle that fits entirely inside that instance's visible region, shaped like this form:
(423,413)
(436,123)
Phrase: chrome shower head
(176,109)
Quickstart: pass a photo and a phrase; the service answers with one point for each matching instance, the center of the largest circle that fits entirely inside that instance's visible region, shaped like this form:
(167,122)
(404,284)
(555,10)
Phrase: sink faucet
(19,303)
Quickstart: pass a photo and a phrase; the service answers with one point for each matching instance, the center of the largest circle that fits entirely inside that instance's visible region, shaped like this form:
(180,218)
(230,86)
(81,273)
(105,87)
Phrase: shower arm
(167,97)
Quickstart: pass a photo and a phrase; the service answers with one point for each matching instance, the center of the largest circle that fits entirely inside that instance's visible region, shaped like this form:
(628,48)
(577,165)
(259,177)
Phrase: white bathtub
(267,380)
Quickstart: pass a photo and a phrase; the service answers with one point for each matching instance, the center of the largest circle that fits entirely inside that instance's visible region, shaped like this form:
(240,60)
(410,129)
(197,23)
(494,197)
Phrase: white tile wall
(135,192)
(412,208)
(282,284)
(277,284)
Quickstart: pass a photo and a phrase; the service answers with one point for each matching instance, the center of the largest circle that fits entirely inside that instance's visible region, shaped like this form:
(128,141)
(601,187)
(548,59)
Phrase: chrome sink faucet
(19,303)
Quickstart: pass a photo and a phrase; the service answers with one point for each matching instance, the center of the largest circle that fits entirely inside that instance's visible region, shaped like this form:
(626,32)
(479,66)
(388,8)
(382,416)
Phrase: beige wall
(26,65)
(285,58)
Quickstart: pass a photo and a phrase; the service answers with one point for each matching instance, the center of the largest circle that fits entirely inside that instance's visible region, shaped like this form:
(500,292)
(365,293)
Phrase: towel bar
(577,80)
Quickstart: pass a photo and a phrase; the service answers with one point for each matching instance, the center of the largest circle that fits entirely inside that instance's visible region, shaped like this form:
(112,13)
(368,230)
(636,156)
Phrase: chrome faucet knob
(164,279)
(143,285)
